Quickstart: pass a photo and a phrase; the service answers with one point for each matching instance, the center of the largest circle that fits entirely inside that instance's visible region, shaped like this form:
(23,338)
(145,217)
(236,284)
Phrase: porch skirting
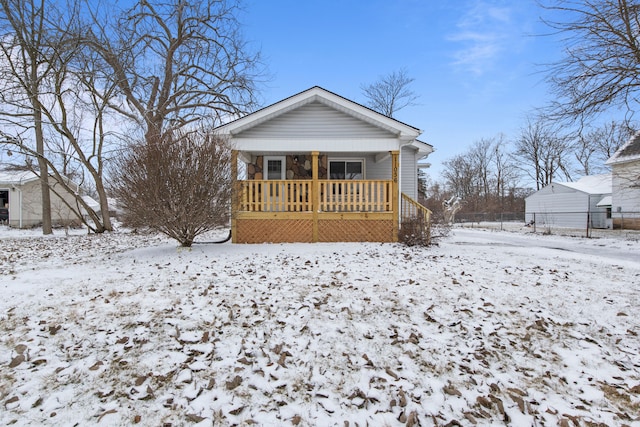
(273,231)
(355,230)
(331,227)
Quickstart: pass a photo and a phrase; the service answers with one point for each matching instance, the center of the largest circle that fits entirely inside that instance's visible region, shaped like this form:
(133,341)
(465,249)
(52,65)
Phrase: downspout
(19,207)
(588,213)
(400,186)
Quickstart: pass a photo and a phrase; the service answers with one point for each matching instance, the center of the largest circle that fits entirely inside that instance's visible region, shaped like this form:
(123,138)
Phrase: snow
(488,327)
(591,184)
(16,177)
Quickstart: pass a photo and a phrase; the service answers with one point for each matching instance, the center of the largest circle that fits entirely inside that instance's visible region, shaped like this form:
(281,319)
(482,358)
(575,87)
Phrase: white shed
(586,202)
(21,200)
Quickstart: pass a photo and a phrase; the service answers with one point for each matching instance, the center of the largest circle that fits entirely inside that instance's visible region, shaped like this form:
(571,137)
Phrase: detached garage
(21,201)
(586,202)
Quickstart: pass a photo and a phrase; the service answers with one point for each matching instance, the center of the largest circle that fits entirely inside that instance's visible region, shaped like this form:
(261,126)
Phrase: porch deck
(314,211)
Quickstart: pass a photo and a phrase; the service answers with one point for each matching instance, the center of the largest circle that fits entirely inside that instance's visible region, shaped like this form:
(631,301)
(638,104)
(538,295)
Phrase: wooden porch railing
(297,195)
(275,195)
(355,196)
(412,209)
(415,223)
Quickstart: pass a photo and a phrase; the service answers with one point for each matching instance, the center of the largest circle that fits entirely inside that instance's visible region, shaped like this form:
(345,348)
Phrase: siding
(380,170)
(409,172)
(626,192)
(315,120)
(32,206)
(560,206)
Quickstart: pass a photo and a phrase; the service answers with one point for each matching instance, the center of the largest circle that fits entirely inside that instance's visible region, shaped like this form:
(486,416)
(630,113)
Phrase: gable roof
(630,151)
(13,178)
(591,184)
(401,130)
(17,177)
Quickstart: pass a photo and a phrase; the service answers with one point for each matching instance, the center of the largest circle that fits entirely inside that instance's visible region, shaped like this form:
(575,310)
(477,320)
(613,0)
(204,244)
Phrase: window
(274,167)
(346,169)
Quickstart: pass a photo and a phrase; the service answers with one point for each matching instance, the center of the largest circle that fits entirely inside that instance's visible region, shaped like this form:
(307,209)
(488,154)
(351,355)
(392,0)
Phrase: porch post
(315,185)
(395,192)
(235,197)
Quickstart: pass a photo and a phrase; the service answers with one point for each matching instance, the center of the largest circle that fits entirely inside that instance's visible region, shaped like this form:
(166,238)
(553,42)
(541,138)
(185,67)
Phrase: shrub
(179,185)
(415,231)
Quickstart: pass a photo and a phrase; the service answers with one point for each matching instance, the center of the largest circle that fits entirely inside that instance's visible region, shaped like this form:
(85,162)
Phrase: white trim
(618,158)
(282,159)
(399,207)
(347,145)
(244,157)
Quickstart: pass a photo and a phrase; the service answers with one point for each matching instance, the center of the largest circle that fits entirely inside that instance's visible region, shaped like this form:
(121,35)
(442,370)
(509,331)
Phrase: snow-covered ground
(489,327)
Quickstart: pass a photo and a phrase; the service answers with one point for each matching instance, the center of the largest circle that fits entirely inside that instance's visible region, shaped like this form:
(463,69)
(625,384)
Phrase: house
(21,200)
(581,204)
(317,167)
(625,198)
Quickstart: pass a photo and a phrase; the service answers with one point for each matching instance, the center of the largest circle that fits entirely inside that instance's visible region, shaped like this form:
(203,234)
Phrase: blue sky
(477,64)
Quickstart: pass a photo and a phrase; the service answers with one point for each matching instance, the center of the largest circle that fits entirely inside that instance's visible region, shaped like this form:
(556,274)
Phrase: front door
(274,194)
(4,206)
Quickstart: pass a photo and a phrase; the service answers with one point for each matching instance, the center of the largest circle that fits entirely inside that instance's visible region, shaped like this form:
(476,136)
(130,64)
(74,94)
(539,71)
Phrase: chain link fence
(575,223)
(499,219)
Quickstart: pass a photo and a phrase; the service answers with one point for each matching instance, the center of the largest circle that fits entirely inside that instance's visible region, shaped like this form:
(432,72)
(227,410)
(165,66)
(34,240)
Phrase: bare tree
(63,108)
(459,175)
(26,55)
(175,62)
(612,136)
(542,152)
(483,177)
(151,69)
(59,183)
(179,186)
(600,67)
(481,156)
(506,174)
(390,93)
(80,118)
(594,146)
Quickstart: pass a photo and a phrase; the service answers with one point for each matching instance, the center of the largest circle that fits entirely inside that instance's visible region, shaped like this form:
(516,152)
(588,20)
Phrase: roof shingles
(628,152)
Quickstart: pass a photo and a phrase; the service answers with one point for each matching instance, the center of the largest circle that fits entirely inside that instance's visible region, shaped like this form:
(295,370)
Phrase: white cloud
(484,32)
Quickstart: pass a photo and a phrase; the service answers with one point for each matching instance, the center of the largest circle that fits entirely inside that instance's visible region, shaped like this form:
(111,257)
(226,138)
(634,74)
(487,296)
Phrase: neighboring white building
(586,202)
(625,169)
(21,200)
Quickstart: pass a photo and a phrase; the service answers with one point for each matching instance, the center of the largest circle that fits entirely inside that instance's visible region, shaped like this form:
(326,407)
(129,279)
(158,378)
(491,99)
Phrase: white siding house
(579,204)
(320,167)
(625,168)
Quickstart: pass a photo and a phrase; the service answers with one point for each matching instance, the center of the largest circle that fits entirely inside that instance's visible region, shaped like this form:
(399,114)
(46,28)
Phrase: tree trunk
(104,205)
(43,170)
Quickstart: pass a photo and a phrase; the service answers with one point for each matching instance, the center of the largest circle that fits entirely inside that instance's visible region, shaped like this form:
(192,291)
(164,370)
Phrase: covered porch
(317,167)
(316,208)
